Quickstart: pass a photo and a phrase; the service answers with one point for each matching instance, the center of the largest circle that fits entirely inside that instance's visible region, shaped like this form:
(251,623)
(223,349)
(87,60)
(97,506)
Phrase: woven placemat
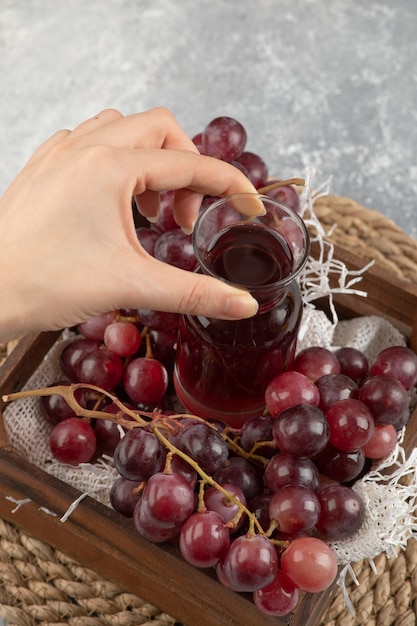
(41,586)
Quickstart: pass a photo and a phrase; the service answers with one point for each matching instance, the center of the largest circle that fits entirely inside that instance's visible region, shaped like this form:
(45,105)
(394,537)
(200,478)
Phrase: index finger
(155,128)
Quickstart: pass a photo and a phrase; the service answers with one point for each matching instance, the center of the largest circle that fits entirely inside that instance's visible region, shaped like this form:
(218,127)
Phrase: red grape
(399,362)
(278,598)
(224,138)
(94,327)
(122,338)
(145,380)
(256,168)
(342,512)
(382,442)
(251,563)
(73,441)
(168,499)
(289,389)
(315,362)
(72,355)
(294,508)
(286,194)
(204,539)
(101,367)
(147,238)
(205,445)
(56,408)
(284,470)
(215,500)
(139,455)
(175,248)
(386,398)
(353,363)
(122,496)
(335,387)
(243,474)
(301,431)
(147,528)
(351,424)
(340,465)
(310,564)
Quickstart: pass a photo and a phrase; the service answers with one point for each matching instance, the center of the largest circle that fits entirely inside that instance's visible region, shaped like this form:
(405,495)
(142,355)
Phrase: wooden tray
(108,543)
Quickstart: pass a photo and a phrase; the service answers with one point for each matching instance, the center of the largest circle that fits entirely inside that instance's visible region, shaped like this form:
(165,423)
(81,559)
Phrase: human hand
(69,247)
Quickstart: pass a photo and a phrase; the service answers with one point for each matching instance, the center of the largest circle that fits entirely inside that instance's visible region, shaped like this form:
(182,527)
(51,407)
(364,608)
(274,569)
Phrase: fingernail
(188,231)
(240,306)
(153,218)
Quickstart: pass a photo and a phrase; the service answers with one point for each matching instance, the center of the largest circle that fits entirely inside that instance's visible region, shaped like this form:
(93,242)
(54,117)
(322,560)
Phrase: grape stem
(67,392)
(282,183)
(207,479)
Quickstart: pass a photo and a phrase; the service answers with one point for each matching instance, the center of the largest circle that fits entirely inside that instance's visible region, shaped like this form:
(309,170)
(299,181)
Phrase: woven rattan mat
(41,586)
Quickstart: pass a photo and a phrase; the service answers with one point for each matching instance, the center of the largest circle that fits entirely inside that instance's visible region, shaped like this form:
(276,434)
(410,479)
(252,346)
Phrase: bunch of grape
(261,504)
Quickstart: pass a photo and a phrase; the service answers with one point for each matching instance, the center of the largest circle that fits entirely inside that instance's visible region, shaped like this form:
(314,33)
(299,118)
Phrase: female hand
(69,248)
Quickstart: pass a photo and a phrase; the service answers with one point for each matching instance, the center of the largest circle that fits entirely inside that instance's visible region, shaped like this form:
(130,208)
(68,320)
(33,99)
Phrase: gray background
(323,84)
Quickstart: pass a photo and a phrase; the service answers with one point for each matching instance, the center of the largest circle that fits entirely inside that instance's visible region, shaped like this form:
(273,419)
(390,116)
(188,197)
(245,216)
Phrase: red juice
(223,367)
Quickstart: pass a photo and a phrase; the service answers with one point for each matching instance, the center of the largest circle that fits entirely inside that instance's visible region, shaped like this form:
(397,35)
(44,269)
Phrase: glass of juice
(223,367)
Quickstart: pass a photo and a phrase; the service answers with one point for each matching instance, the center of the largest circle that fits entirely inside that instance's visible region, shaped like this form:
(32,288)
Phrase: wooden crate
(105,541)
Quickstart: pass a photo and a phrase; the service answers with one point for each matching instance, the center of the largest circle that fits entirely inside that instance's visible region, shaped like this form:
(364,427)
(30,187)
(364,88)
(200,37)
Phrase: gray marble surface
(317,84)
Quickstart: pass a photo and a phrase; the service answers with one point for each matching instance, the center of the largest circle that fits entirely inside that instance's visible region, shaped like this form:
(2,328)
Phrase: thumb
(163,287)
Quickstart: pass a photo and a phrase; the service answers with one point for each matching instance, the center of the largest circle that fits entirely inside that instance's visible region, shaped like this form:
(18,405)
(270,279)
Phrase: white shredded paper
(390,506)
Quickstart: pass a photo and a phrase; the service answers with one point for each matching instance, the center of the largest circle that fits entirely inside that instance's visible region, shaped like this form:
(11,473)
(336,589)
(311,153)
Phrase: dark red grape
(286,194)
(56,408)
(159,320)
(73,441)
(301,431)
(205,445)
(386,398)
(256,430)
(256,168)
(339,465)
(123,497)
(284,470)
(73,353)
(101,367)
(353,363)
(399,362)
(147,238)
(342,512)
(243,474)
(138,455)
(175,248)
(224,138)
(335,387)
